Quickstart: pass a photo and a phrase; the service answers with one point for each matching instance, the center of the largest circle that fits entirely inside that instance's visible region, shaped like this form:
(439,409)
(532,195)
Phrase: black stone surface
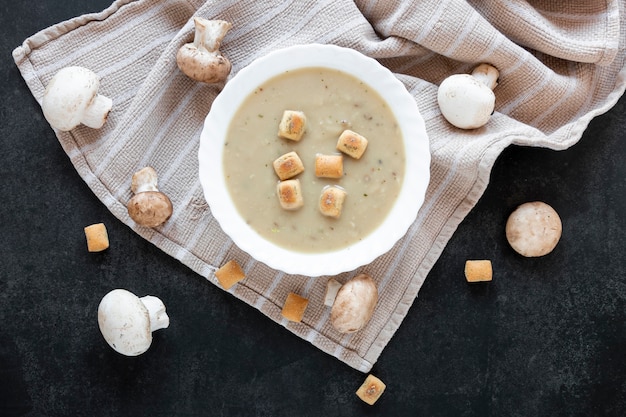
(546,338)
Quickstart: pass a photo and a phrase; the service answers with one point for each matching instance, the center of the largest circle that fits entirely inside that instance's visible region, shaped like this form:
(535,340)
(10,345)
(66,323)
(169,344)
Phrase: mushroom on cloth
(354,304)
(201,60)
(149,207)
(71,98)
(127,321)
(467,100)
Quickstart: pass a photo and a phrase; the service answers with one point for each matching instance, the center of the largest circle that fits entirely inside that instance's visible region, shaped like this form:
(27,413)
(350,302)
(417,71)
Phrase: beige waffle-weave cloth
(561,64)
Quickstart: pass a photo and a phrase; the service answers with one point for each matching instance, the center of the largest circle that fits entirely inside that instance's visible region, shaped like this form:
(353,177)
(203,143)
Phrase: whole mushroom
(534,229)
(127,321)
(467,100)
(202,60)
(354,304)
(149,207)
(71,98)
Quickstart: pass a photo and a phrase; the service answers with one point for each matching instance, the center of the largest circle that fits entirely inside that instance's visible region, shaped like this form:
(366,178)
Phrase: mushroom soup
(332,101)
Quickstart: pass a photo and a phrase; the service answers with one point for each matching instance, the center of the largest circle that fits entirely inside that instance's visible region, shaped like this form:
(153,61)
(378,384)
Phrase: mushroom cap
(67,96)
(124,322)
(533,229)
(150,208)
(354,304)
(465,102)
(203,66)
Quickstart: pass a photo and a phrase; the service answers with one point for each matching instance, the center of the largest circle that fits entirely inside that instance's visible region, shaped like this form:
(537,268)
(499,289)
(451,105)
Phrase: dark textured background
(546,338)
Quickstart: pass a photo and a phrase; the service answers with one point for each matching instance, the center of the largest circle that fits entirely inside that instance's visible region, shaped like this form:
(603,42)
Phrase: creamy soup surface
(332,102)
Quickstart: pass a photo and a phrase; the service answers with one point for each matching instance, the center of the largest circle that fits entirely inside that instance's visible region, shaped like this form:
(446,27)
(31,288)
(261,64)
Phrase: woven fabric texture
(560,63)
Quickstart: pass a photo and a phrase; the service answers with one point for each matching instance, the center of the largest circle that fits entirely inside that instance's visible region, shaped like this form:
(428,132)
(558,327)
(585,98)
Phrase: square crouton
(352,144)
(288,165)
(292,125)
(371,390)
(97,237)
(331,201)
(478,270)
(290,194)
(328,166)
(293,309)
(229,274)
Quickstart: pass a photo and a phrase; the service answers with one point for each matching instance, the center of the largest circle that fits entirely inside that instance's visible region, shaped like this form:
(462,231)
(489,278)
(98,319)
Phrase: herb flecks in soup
(332,103)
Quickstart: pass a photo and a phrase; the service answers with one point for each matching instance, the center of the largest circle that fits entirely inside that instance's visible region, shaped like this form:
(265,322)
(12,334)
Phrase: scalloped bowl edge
(416,146)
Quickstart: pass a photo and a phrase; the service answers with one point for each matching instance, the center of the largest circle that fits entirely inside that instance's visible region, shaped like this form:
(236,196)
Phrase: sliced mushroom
(354,304)
(71,98)
(149,207)
(467,100)
(202,60)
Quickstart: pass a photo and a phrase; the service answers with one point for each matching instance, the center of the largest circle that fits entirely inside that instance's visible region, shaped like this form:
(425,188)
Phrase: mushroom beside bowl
(413,183)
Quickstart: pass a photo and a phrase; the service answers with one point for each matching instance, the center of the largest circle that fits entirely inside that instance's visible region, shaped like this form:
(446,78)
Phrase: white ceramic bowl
(415,182)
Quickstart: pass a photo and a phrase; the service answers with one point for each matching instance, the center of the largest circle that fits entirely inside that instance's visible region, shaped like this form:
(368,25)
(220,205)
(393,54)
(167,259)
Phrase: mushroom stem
(486,74)
(144,180)
(209,34)
(97,112)
(156,311)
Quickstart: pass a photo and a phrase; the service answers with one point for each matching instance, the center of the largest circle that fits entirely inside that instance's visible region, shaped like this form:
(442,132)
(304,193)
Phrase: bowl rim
(416,146)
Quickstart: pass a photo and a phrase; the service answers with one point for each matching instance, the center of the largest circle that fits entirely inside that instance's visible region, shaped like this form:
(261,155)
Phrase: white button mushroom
(533,229)
(467,101)
(149,207)
(127,321)
(354,304)
(202,60)
(71,98)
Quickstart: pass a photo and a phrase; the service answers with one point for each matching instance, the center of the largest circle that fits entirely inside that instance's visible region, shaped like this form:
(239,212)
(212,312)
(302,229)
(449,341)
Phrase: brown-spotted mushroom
(149,207)
(71,98)
(467,100)
(201,60)
(354,304)
(533,229)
